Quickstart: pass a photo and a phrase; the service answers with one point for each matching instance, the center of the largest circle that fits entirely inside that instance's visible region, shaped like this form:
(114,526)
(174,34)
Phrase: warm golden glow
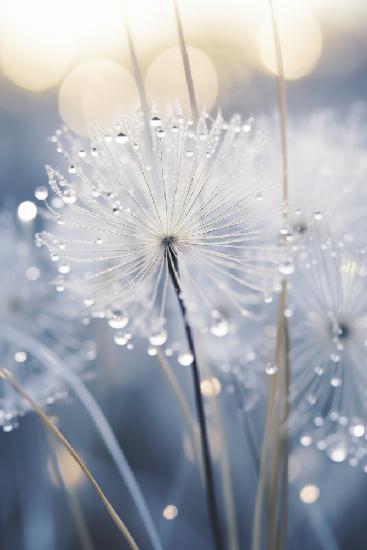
(69,470)
(210,387)
(170,512)
(35,51)
(165,79)
(301,40)
(96,92)
(309,494)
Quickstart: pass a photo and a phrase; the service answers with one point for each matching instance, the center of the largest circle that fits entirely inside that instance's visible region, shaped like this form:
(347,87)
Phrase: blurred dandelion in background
(30,311)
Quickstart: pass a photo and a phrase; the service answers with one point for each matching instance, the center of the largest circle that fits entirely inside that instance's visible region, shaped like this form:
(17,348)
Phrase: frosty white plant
(130,211)
(327,164)
(30,309)
(328,336)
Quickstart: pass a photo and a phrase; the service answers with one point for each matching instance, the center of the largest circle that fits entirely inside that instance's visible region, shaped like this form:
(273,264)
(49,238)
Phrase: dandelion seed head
(34,318)
(144,199)
(327,335)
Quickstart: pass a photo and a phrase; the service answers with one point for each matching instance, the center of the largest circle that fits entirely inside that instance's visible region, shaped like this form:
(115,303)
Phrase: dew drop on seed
(286,267)
(121,138)
(337,450)
(159,338)
(69,196)
(271,368)
(219,326)
(185,359)
(155,121)
(118,320)
(120,339)
(41,193)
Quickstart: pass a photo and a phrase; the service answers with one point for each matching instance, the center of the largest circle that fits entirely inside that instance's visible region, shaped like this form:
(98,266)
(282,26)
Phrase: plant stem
(6,375)
(207,462)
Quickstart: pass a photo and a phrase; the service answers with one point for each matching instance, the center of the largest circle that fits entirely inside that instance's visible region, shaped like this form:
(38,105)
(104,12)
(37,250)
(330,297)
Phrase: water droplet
(155,121)
(271,368)
(219,326)
(337,449)
(41,193)
(64,269)
(356,428)
(72,169)
(88,302)
(305,440)
(152,352)
(69,196)
(120,339)
(185,359)
(118,320)
(317,215)
(160,132)
(20,356)
(286,267)
(189,154)
(121,138)
(159,338)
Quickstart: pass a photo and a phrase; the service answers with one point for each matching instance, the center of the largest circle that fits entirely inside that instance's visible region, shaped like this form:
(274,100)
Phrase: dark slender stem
(207,462)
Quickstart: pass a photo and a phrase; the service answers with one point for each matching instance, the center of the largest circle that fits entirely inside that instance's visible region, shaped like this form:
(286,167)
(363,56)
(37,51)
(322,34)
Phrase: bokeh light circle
(165,79)
(301,42)
(95,92)
(34,54)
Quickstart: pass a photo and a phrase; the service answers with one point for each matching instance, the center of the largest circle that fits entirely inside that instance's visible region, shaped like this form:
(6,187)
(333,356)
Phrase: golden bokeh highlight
(70,472)
(33,54)
(165,79)
(210,387)
(301,41)
(95,92)
(309,494)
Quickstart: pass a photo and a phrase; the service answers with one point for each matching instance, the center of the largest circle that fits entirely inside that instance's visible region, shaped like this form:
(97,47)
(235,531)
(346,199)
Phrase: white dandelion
(46,346)
(327,168)
(167,210)
(132,211)
(30,310)
(328,338)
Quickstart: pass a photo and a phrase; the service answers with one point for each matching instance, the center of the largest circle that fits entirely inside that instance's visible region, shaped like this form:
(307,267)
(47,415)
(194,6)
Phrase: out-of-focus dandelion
(328,338)
(44,344)
(327,167)
(30,309)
